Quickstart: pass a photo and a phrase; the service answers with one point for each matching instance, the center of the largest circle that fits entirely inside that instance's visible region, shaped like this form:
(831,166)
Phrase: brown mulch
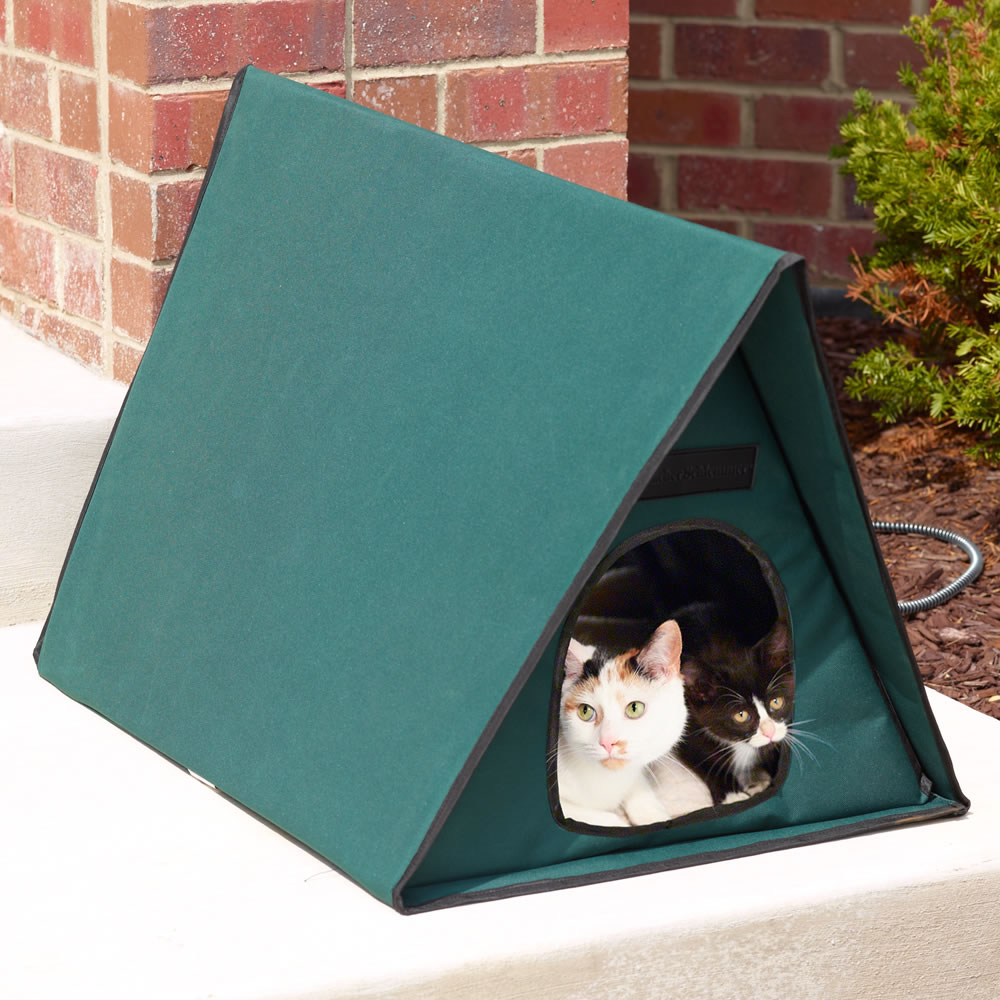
(919,472)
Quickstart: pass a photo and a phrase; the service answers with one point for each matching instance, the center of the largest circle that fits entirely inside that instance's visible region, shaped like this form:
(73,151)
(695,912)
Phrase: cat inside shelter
(677,688)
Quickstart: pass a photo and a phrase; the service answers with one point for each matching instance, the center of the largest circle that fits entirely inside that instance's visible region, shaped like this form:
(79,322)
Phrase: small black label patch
(703,470)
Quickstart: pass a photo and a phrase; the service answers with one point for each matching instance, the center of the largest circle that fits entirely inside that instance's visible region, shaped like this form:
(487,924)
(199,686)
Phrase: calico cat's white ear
(576,656)
(661,656)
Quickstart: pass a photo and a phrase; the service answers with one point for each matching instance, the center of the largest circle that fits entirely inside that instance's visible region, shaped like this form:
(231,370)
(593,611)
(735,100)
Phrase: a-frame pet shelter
(402,398)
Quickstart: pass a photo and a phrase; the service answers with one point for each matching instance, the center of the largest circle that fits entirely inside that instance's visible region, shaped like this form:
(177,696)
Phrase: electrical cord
(942,534)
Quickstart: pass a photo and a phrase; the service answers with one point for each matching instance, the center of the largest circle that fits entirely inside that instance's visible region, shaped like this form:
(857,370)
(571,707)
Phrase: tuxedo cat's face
(743,696)
(626,710)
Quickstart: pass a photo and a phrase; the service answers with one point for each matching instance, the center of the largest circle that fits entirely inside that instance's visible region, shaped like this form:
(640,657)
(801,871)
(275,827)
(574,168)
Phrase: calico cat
(618,715)
(740,698)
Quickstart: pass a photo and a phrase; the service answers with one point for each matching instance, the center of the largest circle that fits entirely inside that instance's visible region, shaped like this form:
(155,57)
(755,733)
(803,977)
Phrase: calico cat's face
(624,710)
(743,696)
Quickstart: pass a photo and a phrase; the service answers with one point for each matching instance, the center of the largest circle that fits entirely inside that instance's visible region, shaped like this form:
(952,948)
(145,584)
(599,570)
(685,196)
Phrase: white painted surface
(123,878)
(55,418)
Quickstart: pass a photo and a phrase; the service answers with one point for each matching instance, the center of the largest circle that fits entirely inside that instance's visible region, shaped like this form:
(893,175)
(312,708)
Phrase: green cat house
(404,401)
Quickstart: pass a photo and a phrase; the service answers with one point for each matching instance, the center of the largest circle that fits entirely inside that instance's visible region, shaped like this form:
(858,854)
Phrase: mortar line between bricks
(793,24)
(500,62)
(548,142)
(733,153)
(725,88)
(52,228)
(349,53)
(723,215)
(49,62)
(200,85)
(220,85)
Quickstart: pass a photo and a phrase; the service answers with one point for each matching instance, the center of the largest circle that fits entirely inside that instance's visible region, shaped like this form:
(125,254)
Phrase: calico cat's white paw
(594,817)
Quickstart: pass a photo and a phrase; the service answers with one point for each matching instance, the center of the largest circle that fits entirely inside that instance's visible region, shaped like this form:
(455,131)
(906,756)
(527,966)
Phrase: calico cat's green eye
(634,709)
(776,703)
(741,716)
(586,712)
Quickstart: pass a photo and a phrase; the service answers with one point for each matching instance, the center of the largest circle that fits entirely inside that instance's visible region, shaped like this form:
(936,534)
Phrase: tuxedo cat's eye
(586,712)
(634,709)
(775,703)
(741,716)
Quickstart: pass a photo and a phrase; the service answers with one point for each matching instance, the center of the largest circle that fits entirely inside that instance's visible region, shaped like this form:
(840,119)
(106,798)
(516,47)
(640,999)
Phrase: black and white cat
(619,715)
(740,699)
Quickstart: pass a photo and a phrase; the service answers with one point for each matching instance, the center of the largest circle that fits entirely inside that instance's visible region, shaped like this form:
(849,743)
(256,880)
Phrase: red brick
(730,226)
(683,117)
(74,339)
(163,44)
(174,206)
(597,165)
(27,259)
(57,188)
(811,124)
(645,49)
(873,61)
(151,220)
(778,187)
(137,293)
(132,215)
(6,162)
(687,8)
(529,157)
(411,98)
(151,132)
(534,101)
(58,28)
(827,248)
(884,12)
(83,280)
(645,185)
(125,361)
(24,95)
(391,32)
(336,87)
(78,112)
(582,25)
(751,54)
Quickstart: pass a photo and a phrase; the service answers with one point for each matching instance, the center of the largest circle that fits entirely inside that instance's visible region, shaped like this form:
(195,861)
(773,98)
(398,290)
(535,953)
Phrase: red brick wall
(108,110)
(734,105)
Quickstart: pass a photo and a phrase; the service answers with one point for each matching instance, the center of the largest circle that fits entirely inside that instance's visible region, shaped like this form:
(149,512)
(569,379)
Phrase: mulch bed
(921,473)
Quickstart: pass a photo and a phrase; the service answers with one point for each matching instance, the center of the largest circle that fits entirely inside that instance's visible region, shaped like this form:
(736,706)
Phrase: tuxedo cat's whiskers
(796,744)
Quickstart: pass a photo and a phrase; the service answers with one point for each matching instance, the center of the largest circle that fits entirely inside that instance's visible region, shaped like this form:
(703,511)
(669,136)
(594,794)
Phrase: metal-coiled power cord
(942,534)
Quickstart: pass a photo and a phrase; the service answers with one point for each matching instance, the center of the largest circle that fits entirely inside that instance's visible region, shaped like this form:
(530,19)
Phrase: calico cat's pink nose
(608,742)
(767,729)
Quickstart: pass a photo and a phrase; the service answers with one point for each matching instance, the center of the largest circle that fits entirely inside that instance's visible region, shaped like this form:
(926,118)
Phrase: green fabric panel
(502,823)
(396,393)
(589,868)
(799,409)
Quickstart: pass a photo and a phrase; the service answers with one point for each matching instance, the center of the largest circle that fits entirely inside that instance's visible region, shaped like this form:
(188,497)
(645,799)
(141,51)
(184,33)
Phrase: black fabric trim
(956,791)
(690,861)
(227,114)
(554,623)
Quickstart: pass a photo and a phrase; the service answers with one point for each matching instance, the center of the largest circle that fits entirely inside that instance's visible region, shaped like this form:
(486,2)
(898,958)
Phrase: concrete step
(55,418)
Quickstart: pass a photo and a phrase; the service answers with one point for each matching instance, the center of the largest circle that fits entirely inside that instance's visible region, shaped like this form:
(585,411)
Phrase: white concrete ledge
(122,877)
(55,418)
